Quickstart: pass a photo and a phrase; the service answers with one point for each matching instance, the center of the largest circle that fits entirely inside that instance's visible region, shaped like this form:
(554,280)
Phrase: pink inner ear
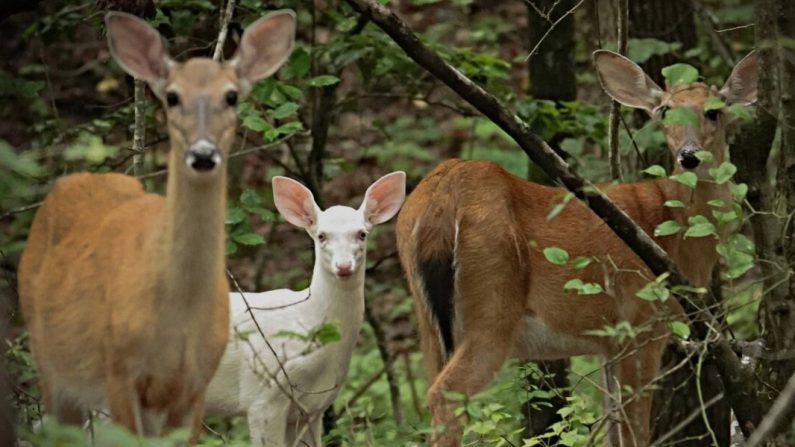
(136,46)
(293,201)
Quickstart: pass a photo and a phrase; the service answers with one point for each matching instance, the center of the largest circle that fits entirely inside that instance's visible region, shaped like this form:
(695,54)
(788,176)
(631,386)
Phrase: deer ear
(137,48)
(741,85)
(384,198)
(295,202)
(626,82)
(265,46)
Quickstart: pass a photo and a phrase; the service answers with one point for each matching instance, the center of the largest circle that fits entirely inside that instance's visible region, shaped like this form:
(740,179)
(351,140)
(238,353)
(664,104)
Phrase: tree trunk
(777,310)
(551,70)
(666,20)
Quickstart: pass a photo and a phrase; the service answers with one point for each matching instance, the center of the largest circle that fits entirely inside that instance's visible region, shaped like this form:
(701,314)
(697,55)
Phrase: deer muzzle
(203,156)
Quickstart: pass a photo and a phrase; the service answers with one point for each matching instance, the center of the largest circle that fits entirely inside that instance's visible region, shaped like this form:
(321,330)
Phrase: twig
(778,415)
(738,382)
(683,423)
(225,19)
(380,338)
(139,128)
(615,108)
(549,30)
(21,209)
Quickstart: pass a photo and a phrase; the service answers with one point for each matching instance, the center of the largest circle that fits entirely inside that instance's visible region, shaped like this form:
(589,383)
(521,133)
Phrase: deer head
(626,83)
(200,96)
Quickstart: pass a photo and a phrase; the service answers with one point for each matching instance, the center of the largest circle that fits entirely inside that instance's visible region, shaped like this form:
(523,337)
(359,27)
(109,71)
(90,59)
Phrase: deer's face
(340,236)
(701,129)
(694,127)
(200,97)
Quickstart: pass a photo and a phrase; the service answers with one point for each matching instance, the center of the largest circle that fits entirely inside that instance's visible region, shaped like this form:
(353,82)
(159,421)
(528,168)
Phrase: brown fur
(503,280)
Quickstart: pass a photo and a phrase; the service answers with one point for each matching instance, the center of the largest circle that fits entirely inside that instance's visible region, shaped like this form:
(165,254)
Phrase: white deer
(283,382)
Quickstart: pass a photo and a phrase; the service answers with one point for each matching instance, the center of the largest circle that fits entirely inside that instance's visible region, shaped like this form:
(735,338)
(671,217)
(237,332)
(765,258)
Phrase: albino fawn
(471,237)
(287,410)
(124,292)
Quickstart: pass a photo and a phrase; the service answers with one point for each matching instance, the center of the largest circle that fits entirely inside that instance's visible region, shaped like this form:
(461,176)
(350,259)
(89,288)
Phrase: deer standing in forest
(285,388)
(471,240)
(125,293)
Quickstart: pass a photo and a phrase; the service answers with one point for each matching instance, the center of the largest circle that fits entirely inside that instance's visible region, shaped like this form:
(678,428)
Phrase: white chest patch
(537,341)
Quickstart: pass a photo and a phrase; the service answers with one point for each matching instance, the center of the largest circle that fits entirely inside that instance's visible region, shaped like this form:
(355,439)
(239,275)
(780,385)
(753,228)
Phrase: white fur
(287,411)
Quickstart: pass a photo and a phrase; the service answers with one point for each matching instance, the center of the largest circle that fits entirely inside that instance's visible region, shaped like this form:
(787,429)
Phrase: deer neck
(696,256)
(339,300)
(193,237)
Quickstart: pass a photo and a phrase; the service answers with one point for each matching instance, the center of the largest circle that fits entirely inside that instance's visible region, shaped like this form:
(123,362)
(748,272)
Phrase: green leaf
(298,65)
(640,50)
(653,291)
(256,123)
(686,178)
(680,329)
(677,74)
(667,228)
(713,103)
(250,199)
(583,288)
(284,110)
(250,239)
(723,173)
(326,333)
(655,170)
(716,203)
(556,255)
(742,112)
(235,216)
(725,217)
(704,155)
(674,204)
(681,116)
(739,191)
(580,262)
(699,226)
(558,207)
(323,80)
(573,284)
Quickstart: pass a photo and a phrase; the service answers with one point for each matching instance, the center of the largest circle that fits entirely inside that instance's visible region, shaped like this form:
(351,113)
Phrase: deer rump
(472,228)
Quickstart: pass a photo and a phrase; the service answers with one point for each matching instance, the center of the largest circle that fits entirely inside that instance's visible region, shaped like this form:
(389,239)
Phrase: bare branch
(615,107)
(225,19)
(777,416)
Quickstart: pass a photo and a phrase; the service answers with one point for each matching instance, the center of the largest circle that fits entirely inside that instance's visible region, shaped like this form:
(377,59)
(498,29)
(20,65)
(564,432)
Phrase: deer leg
(636,369)
(472,367)
(123,403)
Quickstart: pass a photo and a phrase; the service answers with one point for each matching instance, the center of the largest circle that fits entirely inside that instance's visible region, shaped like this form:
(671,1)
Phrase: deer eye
(321,237)
(172,98)
(231,98)
(712,114)
(362,235)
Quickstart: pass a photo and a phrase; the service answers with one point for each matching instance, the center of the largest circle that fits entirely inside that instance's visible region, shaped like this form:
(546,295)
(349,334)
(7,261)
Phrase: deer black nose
(687,157)
(203,156)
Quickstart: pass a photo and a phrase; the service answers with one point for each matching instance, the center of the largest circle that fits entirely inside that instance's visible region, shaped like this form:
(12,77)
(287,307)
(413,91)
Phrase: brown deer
(124,292)
(471,240)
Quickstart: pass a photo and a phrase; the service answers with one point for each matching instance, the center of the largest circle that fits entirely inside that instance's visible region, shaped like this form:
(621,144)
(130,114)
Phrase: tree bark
(777,310)
(552,68)
(552,77)
(666,20)
(737,381)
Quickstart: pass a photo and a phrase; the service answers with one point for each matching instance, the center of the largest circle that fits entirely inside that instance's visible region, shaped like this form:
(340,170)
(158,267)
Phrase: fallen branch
(738,382)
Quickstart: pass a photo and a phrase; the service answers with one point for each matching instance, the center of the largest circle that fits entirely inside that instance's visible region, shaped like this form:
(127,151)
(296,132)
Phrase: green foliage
(640,50)
(680,73)
(556,255)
